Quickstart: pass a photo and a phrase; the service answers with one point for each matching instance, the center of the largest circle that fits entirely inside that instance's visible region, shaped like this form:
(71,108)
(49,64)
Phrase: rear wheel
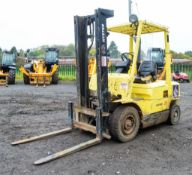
(124,123)
(11,76)
(174,115)
(26,79)
(55,78)
(181,80)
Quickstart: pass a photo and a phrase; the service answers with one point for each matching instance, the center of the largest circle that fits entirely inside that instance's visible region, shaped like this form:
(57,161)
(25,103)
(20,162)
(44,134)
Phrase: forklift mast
(87,28)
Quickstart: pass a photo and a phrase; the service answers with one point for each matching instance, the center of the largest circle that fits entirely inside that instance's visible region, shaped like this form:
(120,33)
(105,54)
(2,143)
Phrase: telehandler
(117,105)
(8,68)
(42,71)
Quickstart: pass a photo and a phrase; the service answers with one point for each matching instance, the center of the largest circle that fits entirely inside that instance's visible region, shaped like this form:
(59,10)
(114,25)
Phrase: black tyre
(11,76)
(55,78)
(26,79)
(124,123)
(174,115)
(188,81)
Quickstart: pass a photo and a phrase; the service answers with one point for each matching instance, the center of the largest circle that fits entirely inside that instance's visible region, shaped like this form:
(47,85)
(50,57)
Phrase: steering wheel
(124,56)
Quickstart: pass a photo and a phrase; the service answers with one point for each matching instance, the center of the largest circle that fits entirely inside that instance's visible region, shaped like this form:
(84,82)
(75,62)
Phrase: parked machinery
(116,105)
(42,71)
(8,68)
(180,77)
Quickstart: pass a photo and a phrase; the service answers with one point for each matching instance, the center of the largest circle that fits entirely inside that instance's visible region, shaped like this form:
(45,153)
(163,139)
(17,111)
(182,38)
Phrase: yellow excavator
(116,105)
(42,71)
(8,68)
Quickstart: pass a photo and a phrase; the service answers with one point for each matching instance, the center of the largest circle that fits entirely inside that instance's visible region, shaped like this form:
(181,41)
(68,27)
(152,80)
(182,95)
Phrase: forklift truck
(116,105)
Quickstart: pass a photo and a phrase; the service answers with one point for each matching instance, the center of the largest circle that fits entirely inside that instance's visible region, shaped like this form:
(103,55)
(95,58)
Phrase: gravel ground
(27,111)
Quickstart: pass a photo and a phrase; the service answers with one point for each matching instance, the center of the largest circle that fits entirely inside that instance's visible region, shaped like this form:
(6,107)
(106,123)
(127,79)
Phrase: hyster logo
(103,33)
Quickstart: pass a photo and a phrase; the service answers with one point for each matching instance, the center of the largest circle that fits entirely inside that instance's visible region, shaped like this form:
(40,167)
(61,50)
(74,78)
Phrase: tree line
(69,50)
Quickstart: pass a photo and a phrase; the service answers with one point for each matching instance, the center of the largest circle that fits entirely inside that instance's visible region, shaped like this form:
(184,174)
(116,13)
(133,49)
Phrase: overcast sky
(31,23)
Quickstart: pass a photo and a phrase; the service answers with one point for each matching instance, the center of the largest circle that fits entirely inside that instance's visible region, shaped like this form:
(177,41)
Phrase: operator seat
(147,71)
(123,66)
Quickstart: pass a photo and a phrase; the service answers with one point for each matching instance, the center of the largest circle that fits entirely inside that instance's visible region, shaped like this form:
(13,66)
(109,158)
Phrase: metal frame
(138,29)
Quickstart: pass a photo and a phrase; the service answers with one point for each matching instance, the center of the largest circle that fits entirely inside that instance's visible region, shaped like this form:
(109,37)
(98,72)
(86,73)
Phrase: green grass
(190,75)
(19,77)
(68,78)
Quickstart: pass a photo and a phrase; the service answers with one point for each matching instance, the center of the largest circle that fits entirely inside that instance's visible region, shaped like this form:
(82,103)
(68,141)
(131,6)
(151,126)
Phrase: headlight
(133,18)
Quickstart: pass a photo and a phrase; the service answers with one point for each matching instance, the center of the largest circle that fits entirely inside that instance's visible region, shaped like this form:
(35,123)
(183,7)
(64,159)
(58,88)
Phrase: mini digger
(8,68)
(116,105)
(42,71)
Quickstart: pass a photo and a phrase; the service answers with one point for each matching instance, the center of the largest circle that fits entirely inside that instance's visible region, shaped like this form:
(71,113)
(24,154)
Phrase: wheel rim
(175,116)
(128,124)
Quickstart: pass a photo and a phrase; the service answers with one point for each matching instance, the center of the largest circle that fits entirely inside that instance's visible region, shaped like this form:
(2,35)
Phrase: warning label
(175,91)
(104,61)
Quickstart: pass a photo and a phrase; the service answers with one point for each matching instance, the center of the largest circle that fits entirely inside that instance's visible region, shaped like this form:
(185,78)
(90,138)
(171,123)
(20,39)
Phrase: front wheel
(124,123)
(11,76)
(174,115)
(55,78)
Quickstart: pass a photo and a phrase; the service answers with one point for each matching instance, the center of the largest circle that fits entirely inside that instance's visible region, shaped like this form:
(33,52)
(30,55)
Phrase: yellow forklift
(116,105)
(42,71)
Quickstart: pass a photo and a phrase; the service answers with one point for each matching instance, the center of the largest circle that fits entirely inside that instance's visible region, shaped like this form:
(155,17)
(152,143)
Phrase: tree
(113,50)
(37,53)
(14,49)
(68,50)
(21,53)
(180,55)
(188,53)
